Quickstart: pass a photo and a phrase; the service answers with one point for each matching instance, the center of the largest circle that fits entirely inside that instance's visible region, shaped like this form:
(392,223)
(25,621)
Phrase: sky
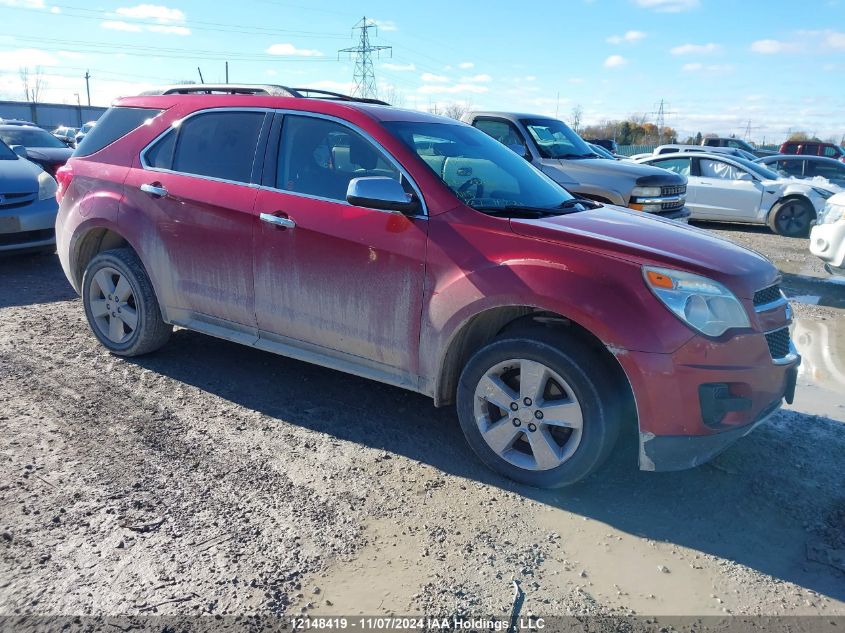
(754,69)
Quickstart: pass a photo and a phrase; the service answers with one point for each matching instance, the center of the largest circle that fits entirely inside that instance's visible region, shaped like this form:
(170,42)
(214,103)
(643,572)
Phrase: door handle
(154,189)
(282,222)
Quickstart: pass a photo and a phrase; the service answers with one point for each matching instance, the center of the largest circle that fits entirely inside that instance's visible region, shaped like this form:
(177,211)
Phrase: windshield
(482,172)
(555,139)
(757,168)
(6,152)
(30,137)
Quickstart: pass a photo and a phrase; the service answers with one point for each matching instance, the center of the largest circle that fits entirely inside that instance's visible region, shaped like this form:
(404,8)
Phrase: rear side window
(114,124)
(218,145)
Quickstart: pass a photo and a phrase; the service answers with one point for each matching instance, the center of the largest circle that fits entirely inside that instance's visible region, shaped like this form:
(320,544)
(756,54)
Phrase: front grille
(767,295)
(671,206)
(778,343)
(15,200)
(673,190)
(24,237)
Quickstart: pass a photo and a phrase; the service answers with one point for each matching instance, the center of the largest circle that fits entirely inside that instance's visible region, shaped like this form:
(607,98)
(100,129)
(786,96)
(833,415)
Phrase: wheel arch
(484,326)
(787,197)
(91,243)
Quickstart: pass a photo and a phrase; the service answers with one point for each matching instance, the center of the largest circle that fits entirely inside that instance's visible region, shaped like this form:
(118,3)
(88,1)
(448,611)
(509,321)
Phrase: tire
(791,217)
(574,383)
(121,306)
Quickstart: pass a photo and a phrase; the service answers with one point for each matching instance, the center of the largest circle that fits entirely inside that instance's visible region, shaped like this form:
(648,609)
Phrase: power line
(363,75)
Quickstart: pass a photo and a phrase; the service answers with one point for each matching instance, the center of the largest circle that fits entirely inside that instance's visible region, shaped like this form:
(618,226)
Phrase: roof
(510,115)
(249,96)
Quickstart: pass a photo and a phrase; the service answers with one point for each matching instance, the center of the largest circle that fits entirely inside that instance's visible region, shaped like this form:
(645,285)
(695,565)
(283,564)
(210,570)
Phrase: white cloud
(25,58)
(55,10)
(772,47)
(433,77)
(835,40)
(629,37)
(576,80)
(452,89)
(615,61)
(386,25)
(668,6)
(695,49)
(531,78)
(161,14)
(477,79)
(24,4)
(120,25)
(466,65)
(343,87)
(292,51)
(400,68)
(168,21)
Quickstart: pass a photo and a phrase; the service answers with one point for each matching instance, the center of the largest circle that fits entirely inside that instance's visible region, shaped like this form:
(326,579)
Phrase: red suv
(813,148)
(416,250)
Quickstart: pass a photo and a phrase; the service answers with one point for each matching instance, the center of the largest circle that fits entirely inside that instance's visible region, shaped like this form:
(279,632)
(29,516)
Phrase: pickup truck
(556,150)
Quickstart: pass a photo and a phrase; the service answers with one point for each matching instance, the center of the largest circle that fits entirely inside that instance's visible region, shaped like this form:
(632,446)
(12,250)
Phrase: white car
(732,189)
(827,239)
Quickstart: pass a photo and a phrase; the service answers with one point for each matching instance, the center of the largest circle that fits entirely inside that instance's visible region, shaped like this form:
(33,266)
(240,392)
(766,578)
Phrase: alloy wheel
(528,414)
(112,304)
(793,218)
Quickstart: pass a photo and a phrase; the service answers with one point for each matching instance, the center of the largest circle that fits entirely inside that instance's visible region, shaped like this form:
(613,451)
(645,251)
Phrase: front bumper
(677,430)
(29,227)
(827,242)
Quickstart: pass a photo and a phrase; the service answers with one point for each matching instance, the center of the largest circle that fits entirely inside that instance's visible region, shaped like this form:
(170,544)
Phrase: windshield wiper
(515,210)
(584,202)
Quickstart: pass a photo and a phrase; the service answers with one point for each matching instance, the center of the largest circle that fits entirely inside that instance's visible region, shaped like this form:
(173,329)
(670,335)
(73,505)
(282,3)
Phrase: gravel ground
(212,478)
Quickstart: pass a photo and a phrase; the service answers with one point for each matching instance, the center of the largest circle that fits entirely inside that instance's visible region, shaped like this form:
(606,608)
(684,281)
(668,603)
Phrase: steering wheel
(463,190)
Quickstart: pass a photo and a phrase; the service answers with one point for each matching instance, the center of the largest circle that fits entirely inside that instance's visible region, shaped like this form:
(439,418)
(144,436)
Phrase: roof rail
(257,89)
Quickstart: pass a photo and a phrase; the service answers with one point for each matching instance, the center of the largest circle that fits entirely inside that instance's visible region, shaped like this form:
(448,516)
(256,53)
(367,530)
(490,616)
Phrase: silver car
(28,205)
(806,167)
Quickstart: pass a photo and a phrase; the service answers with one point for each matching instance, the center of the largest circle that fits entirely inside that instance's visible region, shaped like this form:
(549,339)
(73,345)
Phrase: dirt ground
(212,478)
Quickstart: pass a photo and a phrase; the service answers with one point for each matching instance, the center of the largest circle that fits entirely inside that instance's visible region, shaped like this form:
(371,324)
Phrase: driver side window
(505,132)
(318,157)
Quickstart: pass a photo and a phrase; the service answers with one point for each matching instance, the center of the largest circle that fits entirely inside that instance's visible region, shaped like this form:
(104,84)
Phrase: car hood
(644,239)
(51,154)
(590,169)
(18,176)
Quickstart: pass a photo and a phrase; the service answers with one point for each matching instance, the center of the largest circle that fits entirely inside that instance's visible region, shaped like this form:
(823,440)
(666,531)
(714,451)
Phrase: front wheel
(791,217)
(121,306)
(539,408)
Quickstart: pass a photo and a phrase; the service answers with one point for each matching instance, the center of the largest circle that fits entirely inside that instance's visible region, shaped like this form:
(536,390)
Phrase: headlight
(703,304)
(47,186)
(831,213)
(824,193)
(645,192)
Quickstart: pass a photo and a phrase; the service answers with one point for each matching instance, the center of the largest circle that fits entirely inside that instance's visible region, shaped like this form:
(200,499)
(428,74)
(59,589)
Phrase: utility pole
(88,86)
(202,81)
(227,72)
(363,75)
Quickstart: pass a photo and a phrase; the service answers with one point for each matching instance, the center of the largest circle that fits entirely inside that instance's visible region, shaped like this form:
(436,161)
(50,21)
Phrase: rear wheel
(791,217)
(121,306)
(539,408)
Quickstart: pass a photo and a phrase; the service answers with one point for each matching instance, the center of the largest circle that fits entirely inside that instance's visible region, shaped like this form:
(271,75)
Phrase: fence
(50,115)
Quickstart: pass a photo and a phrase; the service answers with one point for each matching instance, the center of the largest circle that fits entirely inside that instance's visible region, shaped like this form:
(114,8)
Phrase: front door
(726,191)
(342,279)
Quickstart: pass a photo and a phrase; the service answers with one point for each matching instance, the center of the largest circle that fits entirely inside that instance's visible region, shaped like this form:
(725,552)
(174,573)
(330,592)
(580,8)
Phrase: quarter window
(217,145)
(319,158)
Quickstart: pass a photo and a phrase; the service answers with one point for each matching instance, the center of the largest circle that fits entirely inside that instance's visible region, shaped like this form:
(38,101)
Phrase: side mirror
(381,192)
(20,150)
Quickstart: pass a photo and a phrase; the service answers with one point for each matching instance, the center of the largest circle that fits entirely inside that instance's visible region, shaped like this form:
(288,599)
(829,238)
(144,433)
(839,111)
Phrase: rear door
(339,279)
(197,187)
